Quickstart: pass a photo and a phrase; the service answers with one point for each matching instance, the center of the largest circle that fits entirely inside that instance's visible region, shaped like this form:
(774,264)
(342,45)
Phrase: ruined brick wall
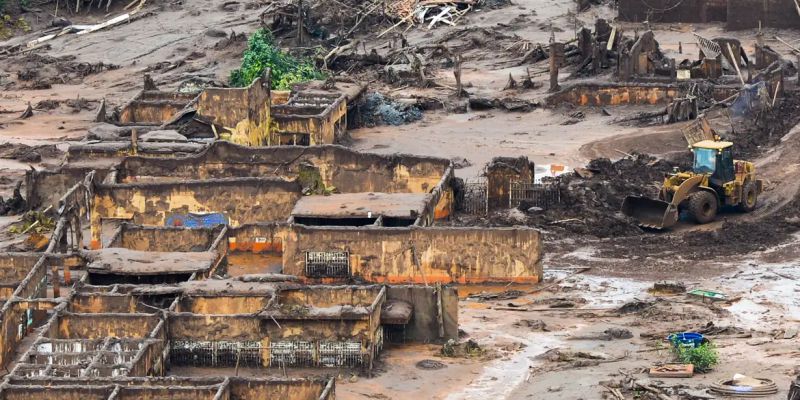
(321,126)
(90,388)
(86,326)
(14,267)
(257,238)
(295,390)
(153,107)
(746,14)
(244,110)
(104,303)
(500,172)
(238,200)
(44,188)
(244,327)
(346,170)
(10,319)
(765,56)
(23,275)
(444,254)
(324,296)
(222,304)
(48,393)
(149,238)
(673,10)
(600,94)
(424,324)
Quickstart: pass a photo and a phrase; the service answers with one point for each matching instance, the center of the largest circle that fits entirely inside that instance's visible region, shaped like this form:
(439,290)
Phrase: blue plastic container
(686,339)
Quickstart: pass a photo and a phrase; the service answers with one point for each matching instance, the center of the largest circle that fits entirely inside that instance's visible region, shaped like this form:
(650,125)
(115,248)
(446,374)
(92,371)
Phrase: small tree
(262,53)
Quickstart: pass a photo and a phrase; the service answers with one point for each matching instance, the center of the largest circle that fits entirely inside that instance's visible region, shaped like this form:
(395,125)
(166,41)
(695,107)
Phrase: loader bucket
(650,213)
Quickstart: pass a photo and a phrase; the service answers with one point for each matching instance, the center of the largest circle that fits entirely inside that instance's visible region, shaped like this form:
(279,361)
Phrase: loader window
(725,171)
(705,160)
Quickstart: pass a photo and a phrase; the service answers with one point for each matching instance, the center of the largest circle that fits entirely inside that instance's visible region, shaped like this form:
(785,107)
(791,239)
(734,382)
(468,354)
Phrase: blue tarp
(197,220)
(752,100)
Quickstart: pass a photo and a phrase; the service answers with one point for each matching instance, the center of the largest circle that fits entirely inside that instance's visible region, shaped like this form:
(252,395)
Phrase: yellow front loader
(716,180)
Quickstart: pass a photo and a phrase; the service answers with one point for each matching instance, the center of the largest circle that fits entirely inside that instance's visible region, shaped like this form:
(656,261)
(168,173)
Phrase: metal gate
(327,264)
(476,196)
(542,195)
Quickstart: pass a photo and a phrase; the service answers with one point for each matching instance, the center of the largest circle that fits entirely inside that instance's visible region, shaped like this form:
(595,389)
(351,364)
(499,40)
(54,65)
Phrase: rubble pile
(381,110)
(751,137)
(14,204)
(591,197)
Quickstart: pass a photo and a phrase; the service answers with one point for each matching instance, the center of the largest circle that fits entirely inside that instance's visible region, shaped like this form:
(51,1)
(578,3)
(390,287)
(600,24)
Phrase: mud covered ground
(527,354)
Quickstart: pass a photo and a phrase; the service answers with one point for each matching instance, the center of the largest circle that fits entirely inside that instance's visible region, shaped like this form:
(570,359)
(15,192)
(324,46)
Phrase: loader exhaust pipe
(649,213)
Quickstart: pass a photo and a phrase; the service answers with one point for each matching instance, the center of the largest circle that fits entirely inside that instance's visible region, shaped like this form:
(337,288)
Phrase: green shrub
(9,25)
(703,357)
(262,53)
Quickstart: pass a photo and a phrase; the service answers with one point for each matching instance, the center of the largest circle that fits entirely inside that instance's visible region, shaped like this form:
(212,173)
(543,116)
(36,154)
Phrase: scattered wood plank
(672,371)
(794,49)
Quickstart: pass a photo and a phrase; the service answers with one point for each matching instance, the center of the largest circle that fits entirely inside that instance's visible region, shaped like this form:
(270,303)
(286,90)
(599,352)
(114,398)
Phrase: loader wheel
(749,197)
(703,207)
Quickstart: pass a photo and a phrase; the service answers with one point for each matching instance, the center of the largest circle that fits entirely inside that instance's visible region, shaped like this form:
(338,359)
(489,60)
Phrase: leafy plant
(285,69)
(9,24)
(704,357)
(33,221)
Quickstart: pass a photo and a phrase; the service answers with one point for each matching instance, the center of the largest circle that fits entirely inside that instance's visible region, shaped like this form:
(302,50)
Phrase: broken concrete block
(108,132)
(790,333)
(168,135)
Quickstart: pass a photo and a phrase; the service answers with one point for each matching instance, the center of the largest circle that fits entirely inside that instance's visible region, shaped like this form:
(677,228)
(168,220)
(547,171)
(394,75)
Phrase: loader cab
(715,159)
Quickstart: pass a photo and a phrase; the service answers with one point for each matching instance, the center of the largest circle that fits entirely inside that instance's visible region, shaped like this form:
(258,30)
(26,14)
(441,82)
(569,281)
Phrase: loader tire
(703,207)
(749,197)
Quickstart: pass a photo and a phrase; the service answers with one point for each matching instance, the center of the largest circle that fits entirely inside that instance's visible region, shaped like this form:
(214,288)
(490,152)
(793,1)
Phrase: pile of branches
(337,20)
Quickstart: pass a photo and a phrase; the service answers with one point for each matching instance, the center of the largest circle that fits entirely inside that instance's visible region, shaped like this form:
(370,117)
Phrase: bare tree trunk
(457,73)
(300,23)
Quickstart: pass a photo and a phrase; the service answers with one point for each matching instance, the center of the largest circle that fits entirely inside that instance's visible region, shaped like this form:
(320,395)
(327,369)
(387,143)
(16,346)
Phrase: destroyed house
(238,258)
(351,205)
(323,213)
(646,76)
(247,116)
(352,189)
(146,330)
